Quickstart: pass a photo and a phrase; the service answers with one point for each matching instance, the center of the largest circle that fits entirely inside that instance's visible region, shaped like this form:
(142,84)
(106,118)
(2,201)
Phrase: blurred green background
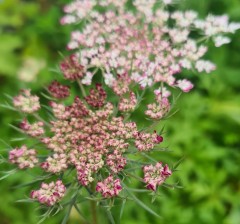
(206,130)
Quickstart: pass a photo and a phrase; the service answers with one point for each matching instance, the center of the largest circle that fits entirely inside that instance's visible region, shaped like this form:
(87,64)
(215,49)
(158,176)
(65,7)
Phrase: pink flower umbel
(34,130)
(128,104)
(155,175)
(121,73)
(157,111)
(49,194)
(152,52)
(96,97)
(116,161)
(23,157)
(71,68)
(27,103)
(147,141)
(184,85)
(58,91)
(109,187)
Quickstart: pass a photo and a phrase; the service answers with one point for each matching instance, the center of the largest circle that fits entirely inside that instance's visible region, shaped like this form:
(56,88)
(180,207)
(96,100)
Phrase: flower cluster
(25,102)
(157,110)
(96,97)
(49,194)
(34,130)
(128,104)
(94,136)
(23,157)
(71,68)
(58,91)
(109,187)
(156,175)
(147,141)
(118,41)
(88,136)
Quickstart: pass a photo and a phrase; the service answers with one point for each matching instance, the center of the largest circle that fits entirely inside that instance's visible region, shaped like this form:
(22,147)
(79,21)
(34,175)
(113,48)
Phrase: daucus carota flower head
(158,110)
(147,141)
(71,68)
(156,175)
(128,104)
(91,140)
(49,194)
(109,187)
(25,102)
(87,136)
(152,51)
(184,85)
(34,130)
(97,96)
(58,91)
(23,157)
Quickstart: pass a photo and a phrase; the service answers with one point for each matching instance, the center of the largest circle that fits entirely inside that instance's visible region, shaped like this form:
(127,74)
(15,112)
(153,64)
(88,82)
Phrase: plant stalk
(93,205)
(82,88)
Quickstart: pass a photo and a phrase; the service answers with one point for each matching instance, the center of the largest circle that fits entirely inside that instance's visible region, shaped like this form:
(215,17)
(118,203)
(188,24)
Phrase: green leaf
(16,128)
(110,216)
(138,190)
(175,166)
(27,200)
(139,202)
(122,208)
(8,173)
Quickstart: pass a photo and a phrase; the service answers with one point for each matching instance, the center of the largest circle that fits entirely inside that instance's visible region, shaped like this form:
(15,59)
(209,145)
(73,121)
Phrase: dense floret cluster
(91,139)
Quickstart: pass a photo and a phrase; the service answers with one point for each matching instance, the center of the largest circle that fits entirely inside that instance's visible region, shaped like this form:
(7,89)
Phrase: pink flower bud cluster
(109,187)
(156,111)
(156,175)
(27,103)
(128,104)
(147,141)
(55,164)
(58,91)
(89,137)
(184,85)
(23,157)
(119,42)
(34,130)
(96,97)
(121,85)
(49,194)
(116,161)
(71,68)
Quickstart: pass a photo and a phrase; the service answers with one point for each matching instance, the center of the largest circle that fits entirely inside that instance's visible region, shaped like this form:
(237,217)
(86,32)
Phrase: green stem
(82,88)
(93,205)
(94,212)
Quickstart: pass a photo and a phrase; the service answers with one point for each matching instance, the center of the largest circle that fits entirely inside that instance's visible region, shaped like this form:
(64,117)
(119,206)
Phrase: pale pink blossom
(23,157)
(156,175)
(49,194)
(34,130)
(26,102)
(221,40)
(184,85)
(109,187)
(206,66)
